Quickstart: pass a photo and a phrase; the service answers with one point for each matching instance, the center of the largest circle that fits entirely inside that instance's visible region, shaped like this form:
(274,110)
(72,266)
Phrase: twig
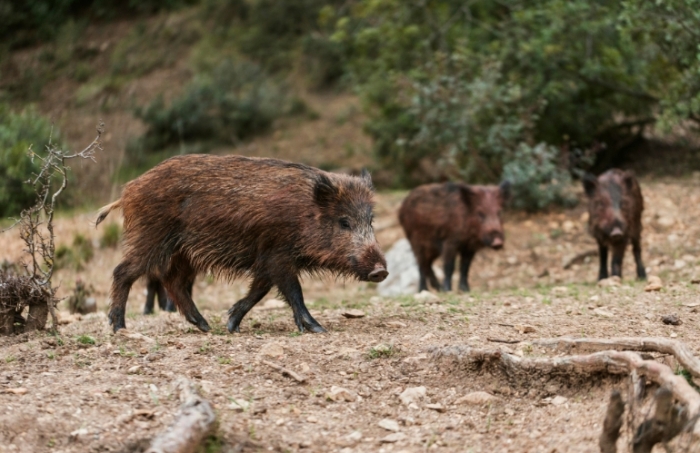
(193,423)
(285,372)
(498,340)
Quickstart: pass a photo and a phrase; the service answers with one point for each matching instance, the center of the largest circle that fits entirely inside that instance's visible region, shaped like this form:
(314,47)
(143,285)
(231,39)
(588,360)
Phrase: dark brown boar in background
(236,216)
(450,219)
(615,206)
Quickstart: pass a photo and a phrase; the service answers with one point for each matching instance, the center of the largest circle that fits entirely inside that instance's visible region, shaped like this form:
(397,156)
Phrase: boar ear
(467,195)
(324,190)
(629,179)
(367,178)
(590,183)
(504,189)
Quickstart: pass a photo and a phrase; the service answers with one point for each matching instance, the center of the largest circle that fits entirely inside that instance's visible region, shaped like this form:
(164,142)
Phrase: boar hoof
(234,324)
(117,321)
(314,328)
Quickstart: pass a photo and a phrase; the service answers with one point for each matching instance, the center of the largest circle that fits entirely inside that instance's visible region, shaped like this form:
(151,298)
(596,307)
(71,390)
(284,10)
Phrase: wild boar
(239,216)
(615,206)
(451,218)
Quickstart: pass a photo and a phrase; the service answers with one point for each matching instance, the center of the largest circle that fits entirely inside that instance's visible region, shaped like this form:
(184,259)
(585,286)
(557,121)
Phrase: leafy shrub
(76,256)
(538,179)
(235,102)
(18,132)
(111,234)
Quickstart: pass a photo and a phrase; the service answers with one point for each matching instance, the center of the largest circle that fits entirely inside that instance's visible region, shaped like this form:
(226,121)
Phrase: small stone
(341,394)
(311,419)
(78,433)
(476,398)
(272,350)
(427,336)
(354,314)
(512,260)
(559,400)
(426,297)
(603,312)
(436,407)
(671,320)
(691,304)
(679,264)
(412,395)
(560,290)
(134,369)
(673,335)
(392,438)
(609,282)
(271,304)
(389,424)
(653,284)
(16,391)
(568,226)
(594,298)
(354,436)
(395,324)
(239,405)
(524,328)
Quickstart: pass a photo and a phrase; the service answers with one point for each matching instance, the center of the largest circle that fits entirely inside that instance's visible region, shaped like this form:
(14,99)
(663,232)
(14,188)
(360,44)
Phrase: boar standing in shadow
(449,219)
(615,206)
(239,216)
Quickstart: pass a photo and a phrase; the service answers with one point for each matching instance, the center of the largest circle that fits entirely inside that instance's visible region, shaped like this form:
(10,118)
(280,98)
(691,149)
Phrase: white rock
(239,405)
(412,395)
(603,312)
(272,350)
(426,297)
(559,400)
(341,394)
(679,264)
(391,438)
(389,424)
(654,283)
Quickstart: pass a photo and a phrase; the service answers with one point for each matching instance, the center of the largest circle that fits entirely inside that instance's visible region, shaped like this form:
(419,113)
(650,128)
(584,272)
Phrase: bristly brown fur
(615,201)
(234,216)
(450,219)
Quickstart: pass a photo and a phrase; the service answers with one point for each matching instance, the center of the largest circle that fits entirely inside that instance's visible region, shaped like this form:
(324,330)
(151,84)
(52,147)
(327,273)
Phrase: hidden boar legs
(603,255)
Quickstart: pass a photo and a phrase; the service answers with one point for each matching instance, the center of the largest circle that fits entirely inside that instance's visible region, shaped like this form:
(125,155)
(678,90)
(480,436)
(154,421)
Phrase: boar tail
(105,210)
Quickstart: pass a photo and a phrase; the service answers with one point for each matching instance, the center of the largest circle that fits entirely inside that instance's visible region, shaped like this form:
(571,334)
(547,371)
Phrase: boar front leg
(258,289)
(603,255)
(637,250)
(618,253)
(465,263)
(291,290)
(449,255)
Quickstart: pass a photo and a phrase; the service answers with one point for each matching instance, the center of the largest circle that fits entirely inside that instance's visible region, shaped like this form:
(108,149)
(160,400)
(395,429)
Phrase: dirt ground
(116,394)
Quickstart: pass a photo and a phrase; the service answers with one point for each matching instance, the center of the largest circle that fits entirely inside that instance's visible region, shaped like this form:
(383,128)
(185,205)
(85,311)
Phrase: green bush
(111,234)
(233,103)
(75,256)
(18,132)
(538,179)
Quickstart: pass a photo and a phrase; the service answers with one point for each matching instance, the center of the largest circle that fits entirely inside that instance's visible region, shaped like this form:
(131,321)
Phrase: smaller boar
(155,288)
(615,206)
(446,219)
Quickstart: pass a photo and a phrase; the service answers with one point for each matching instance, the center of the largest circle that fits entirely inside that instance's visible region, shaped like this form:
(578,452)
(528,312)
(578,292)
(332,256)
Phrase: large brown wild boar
(451,218)
(154,288)
(235,216)
(615,206)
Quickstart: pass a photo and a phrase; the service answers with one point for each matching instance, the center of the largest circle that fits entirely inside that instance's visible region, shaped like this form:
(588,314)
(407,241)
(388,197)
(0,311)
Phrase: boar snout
(494,240)
(378,274)
(616,233)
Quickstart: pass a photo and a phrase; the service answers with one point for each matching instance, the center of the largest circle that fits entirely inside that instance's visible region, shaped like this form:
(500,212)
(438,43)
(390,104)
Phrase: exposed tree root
(611,362)
(680,351)
(193,423)
(612,424)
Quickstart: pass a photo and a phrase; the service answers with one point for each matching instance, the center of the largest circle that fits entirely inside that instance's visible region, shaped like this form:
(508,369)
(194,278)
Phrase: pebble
(653,284)
(412,395)
(341,394)
(603,312)
(389,424)
(391,438)
(476,398)
(353,314)
(436,407)
(559,400)
(272,350)
(426,297)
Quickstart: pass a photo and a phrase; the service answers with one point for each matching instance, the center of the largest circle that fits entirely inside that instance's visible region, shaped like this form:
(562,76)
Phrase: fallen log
(193,423)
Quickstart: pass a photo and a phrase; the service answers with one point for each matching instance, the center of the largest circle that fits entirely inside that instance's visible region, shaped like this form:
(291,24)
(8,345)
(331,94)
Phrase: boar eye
(482,216)
(344,224)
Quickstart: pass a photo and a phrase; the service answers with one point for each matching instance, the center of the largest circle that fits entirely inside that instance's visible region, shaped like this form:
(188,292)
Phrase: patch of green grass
(224,361)
(382,350)
(123,352)
(51,355)
(205,348)
(295,334)
(111,233)
(85,339)
(10,359)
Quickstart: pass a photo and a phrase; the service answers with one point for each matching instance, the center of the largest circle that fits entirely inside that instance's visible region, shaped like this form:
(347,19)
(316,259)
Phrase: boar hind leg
(465,262)
(258,289)
(291,290)
(166,303)
(176,282)
(618,253)
(124,276)
(603,255)
(637,250)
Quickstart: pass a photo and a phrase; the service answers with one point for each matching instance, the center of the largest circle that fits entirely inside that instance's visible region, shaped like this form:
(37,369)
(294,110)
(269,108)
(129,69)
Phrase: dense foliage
(19,132)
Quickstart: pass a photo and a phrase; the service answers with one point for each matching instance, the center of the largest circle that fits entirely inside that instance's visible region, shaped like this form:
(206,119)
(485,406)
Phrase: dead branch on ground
(285,372)
(193,423)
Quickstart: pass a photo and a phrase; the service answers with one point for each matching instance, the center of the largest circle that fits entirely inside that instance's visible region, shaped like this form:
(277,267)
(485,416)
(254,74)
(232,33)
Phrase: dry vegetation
(90,390)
